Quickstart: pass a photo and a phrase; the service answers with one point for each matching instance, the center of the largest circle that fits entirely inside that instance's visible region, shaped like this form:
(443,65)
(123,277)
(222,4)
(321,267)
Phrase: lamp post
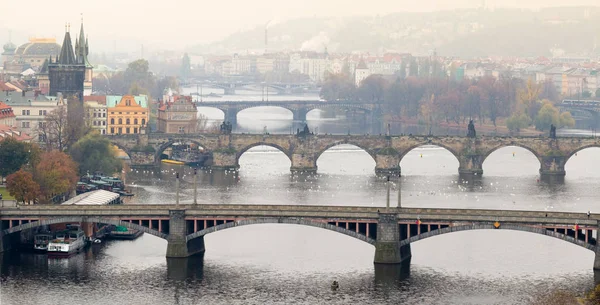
(195,186)
(387,202)
(177,189)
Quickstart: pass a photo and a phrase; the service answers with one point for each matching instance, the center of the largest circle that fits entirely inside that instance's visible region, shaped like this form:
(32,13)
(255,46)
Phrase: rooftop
(98,197)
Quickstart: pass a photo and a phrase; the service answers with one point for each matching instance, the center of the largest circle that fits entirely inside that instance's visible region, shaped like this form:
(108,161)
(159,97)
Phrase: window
(95,115)
(41,138)
(40,112)
(104,115)
(127,130)
(143,122)
(120,130)
(103,123)
(103,131)
(112,113)
(135,121)
(28,112)
(120,121)
(135,113)
(41,124)
(25,124)
(128,103)
(112,130)
(23,112)
(181,130)
(112,121)
(127,122)
(135,130)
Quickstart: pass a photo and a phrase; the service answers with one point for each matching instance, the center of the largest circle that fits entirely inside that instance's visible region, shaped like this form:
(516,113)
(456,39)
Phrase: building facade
(127,114)
(7,116)
(30,110)
(96,113)
(178,115)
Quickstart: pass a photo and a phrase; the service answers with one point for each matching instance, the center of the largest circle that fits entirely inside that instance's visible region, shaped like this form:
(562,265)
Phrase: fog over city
(185,23)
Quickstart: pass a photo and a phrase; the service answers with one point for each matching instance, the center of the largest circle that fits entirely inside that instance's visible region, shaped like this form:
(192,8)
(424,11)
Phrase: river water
(289,264)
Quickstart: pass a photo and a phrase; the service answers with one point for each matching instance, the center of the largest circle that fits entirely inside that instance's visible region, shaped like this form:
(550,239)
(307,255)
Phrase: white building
(361,72)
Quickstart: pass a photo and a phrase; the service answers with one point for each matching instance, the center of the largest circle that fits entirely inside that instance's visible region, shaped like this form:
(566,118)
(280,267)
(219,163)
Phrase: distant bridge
(390,230)
(299,108)
(229,87)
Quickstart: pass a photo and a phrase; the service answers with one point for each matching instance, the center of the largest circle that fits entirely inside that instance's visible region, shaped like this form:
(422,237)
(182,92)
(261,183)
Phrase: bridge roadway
(390,230)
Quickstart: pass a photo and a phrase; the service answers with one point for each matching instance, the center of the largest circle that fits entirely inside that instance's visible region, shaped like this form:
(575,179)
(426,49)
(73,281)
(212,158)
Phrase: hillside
(464,33)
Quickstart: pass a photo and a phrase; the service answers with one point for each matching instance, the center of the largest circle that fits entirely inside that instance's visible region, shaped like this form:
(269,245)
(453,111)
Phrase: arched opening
(187,152)
(135,121)
(128,121)
(120,121)
(429,160)
(583,164)
(265,119)
(210,116)
(345,159)
(495,252)
(112,121)
(272,246)
(511,161)
(263,175)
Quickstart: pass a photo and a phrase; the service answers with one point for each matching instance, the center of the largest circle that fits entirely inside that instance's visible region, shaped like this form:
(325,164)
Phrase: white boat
(67,243)
(40,242)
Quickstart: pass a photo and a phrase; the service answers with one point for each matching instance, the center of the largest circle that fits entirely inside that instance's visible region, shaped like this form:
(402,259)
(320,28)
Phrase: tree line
(432,100)
(69,148)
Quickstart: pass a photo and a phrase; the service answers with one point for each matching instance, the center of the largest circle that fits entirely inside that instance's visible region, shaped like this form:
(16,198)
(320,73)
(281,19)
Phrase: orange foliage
(22,186)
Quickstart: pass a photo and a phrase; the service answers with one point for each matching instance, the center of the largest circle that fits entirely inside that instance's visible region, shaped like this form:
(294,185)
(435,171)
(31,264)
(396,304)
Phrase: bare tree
(63,126)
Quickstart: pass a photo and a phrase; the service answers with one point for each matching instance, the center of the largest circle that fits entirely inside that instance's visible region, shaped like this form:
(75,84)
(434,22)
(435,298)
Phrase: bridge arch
(121,147)
(513,227)
(246,107)
(170,143)
(304,222)
(112,221)
(371,152)
(223,110)
(493,149)
(285,151)
(578,149)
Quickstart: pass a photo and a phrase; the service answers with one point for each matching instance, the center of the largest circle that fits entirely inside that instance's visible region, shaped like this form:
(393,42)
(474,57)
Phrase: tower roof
(67,57)
(82,48)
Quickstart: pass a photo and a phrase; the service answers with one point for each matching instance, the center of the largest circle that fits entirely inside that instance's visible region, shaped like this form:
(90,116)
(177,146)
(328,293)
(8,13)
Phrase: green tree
(566,120)
(13,155)
(586,94)
(517,122)
(22,186)
(94,153)
(546,116)
(186,67)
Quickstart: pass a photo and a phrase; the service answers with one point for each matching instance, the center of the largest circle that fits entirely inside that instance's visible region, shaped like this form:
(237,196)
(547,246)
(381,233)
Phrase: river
(287,264)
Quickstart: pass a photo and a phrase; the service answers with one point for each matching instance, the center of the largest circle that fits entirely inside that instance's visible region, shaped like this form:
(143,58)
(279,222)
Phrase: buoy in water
(421,155)
(513,153)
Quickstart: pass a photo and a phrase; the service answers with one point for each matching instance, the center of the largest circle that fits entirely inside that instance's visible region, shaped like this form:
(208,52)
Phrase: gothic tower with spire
(67,72)
(82,51)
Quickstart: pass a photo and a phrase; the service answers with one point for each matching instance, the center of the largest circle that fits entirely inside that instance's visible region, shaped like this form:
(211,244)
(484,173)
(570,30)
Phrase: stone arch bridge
(299,109)
(390,230)
(303,152)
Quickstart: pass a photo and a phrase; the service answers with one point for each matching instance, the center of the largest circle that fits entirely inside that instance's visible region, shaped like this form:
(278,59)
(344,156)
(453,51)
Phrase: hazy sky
(188,22)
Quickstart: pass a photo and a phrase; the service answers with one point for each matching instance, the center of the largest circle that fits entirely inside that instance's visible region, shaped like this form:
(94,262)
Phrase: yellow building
(127,114)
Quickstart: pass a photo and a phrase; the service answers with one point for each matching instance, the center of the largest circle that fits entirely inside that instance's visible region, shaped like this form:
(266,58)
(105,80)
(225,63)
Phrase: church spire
(81,48)
(67,57)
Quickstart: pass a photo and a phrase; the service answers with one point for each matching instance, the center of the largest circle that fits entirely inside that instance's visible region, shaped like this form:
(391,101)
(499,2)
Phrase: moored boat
(67,243)
(41,241)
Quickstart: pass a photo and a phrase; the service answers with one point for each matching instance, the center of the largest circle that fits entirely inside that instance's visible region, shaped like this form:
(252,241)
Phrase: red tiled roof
(101,99)
(4,87)
(8,131)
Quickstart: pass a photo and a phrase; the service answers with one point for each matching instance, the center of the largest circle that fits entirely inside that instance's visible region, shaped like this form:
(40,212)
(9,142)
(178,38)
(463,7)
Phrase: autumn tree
(64,126)
(338,87)
(22,186)
(372,89)
(56,174)
(528,98)
(94,153)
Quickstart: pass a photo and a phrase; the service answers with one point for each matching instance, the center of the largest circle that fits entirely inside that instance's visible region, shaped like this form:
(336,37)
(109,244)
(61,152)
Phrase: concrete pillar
(552,167)
(304,163)
(300,115)
(387,164)
(231,116)
(597,258)
(177,246)
(223,159)
(470,165)
(387,246)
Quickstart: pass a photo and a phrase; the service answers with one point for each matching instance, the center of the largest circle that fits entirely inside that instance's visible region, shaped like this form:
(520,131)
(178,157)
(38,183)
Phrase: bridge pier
(229,90)
(552,168)
(231,116)
(387,246)
(224,160)
(305,163)
(177,245)
(470,165)
(597,258)
(300,115)
(387,164)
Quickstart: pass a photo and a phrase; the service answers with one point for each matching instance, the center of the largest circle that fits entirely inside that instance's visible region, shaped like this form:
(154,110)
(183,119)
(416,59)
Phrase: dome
(9,47)
(39,47)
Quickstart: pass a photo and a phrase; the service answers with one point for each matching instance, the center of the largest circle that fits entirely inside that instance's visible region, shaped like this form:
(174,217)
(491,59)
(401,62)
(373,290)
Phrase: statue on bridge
(552,131)
(305,132)
(471,130)
(226,128)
